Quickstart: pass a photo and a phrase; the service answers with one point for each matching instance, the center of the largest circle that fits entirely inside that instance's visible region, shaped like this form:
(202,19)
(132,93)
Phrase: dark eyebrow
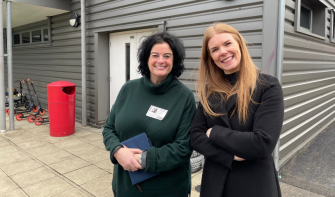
(164,53)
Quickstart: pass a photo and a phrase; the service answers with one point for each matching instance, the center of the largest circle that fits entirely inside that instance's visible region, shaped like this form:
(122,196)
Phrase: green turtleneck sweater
(171,150)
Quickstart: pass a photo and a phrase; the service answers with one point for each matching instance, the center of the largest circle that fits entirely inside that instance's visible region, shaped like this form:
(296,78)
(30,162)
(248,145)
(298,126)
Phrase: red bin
(61,106)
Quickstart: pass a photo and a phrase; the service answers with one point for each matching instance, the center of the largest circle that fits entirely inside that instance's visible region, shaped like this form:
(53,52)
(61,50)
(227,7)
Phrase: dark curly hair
(176,46)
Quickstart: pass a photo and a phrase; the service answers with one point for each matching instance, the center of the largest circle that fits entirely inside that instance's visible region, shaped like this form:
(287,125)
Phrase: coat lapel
(231,102)
(225,108)
(220,108)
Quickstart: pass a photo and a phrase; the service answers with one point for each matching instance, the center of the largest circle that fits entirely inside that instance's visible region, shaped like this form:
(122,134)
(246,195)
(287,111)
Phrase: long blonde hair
(211,79)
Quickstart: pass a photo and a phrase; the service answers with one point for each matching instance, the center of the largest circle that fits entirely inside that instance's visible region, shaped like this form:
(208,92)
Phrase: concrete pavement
(32,163)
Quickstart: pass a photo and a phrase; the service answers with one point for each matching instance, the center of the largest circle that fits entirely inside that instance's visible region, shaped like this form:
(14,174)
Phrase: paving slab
(15,193)
(71,193)
(24,126)
(82,150)
(31,143)
(91,138)
(195,181)
(53,140)
(69,144)
(95,157)
(48,187)
(32,177)
(18,135)
(18,124)
(86,174)
(82,133)
(100,188)
(7,185)
(19,167)
(196,178)
(99,144)
(195,193)
(95,130)
(106,165)
(78,124)
(55,157)
(42,150)
(24,138)
(7,149)
(38,129)
(70,164)
(12,157)
(3,142)
(2,174)
(38,133)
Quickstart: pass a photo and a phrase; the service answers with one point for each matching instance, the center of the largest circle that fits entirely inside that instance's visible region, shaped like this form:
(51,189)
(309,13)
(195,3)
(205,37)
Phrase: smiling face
(160,62)
(225,52)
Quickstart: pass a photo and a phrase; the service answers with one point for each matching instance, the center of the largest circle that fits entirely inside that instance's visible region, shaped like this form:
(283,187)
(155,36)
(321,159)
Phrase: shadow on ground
(313,169)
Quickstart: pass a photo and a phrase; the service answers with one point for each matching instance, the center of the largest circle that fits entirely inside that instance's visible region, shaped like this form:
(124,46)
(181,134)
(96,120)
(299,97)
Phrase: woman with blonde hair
(238,121)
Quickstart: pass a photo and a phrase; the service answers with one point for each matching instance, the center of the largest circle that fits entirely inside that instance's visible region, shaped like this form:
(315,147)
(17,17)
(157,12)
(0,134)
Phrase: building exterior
(115,28)
(308,72)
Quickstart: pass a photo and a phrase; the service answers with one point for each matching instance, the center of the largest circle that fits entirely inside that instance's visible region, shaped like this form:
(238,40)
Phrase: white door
(123,58)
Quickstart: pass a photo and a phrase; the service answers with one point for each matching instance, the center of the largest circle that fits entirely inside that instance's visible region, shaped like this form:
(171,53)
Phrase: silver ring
(129,169)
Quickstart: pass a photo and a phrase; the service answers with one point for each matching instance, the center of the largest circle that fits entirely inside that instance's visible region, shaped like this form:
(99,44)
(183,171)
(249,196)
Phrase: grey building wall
(308,84)
(60,61)
(187,19)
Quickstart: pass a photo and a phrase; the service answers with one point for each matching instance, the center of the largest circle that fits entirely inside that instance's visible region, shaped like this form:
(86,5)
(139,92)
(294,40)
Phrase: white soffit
(23,14)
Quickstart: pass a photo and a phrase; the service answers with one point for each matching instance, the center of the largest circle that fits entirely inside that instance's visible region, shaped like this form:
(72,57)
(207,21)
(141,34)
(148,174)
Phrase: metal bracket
(162,27)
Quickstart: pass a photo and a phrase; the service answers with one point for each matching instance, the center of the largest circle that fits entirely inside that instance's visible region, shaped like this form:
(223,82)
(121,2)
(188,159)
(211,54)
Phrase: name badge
(156,112)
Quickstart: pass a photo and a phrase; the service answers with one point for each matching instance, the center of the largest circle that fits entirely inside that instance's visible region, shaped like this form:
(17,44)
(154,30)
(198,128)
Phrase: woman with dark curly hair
(159,105)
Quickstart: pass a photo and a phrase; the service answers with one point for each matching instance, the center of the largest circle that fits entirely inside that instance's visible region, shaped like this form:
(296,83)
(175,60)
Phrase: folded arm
(261,141)
(200,142)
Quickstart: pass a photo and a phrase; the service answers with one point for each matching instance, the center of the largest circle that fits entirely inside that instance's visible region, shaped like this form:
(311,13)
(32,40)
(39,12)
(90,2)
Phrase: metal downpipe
(10,66)
(280,46)
(2,76)
(83,62)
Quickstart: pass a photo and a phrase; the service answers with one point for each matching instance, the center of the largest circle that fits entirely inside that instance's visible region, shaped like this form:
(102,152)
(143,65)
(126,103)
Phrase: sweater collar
(162,87)
(232,78)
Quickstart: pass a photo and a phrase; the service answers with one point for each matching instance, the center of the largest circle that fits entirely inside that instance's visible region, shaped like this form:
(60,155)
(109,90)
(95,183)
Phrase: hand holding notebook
(125,157)
(141,142)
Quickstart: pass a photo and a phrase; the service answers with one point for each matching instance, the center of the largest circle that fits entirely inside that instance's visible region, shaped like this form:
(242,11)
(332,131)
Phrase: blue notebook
(141,142)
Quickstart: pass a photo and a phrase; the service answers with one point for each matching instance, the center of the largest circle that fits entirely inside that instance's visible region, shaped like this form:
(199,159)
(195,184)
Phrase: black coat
(253,141)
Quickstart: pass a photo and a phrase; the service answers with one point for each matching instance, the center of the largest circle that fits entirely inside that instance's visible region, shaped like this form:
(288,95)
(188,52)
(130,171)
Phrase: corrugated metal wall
(308,84)
(187,19)
(60,62)
(246,19)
